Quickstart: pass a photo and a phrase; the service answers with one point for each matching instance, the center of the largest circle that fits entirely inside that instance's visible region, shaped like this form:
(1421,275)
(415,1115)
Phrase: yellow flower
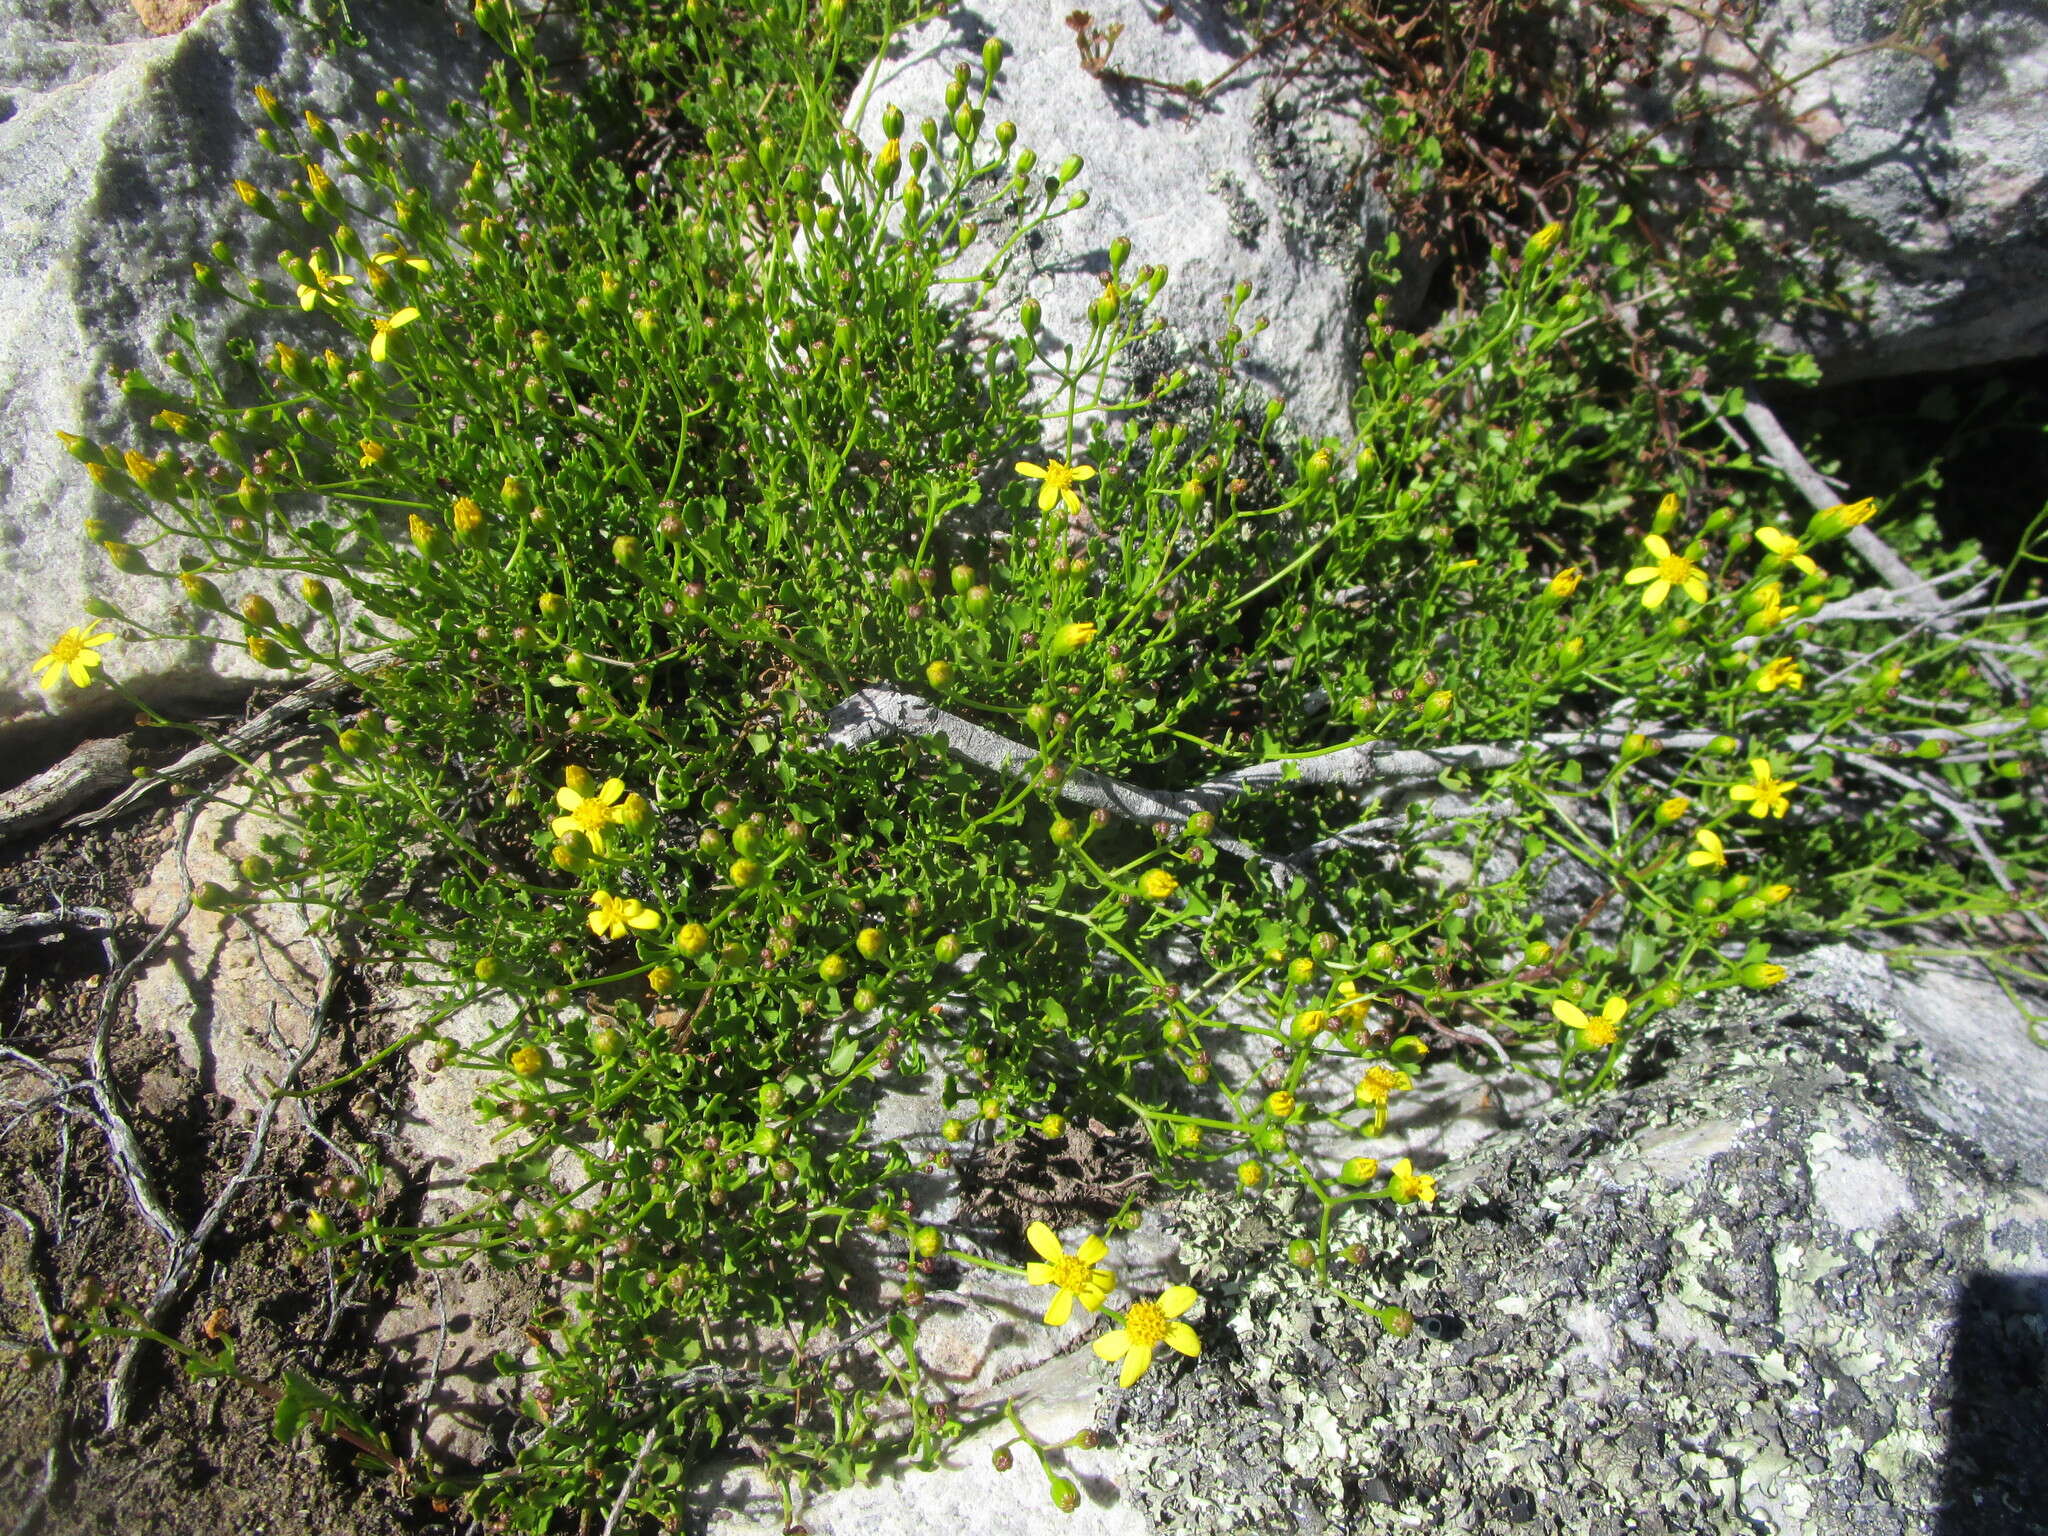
(401,258)
(1071,637)
(1379,1083)
(247,193)
(1788,549)
(1834,521)
(1710,854)
(380,344)
(1669,571)
(1781,673)
(1059,481)
(374,453)
(1592,1032)
(1770,610)
(1563,584)
(1407,1186)
(614,915)
(1766,796)
(74,654)
(1146,1326)
(1074,1274)
(321,288)
(1673,808)
(1541,242)
(1157,885)
(588,814)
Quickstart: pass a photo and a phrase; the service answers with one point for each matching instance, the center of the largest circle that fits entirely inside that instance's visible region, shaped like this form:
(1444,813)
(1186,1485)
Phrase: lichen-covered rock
(118,152)
(1910,141)
(1266,181)
(1760,1288)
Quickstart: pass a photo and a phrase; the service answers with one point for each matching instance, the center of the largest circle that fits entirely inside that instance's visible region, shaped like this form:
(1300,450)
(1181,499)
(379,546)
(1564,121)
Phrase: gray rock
(1765,1286)
(117,156)
(1267,182)
(1931,177)
(964,1493)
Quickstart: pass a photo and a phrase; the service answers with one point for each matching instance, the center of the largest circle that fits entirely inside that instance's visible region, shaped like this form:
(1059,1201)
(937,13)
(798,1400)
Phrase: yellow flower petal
(1043,1243)
(1031,471)
(1092,1250)
(612,790)
(1059,1309)
(1113,1345)
(1658,548)
(1176,1299)
(1136,1363)
(1036,1273)
(1183,1338)
(1568,1014)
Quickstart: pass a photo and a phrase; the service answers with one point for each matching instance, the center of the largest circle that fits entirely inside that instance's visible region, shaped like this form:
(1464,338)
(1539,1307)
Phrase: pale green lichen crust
(1725,1298)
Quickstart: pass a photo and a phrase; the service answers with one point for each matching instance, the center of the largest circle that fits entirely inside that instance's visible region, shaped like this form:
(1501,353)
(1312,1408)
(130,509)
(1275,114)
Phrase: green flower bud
(210,897)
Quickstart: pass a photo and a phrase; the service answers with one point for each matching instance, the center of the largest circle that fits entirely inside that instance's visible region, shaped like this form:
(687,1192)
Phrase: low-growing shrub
(775,681)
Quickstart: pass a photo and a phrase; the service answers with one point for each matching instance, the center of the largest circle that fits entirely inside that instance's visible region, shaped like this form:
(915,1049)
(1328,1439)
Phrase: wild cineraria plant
(763,688)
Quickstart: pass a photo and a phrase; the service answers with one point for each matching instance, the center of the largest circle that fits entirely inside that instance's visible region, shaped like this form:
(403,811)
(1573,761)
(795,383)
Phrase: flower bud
(201,591)
(1360,1170)
(1759,974)
(1251,1173)
(889,162)
(939,674)
(1069,169)
(210,897)
(1541,243)
(125,558)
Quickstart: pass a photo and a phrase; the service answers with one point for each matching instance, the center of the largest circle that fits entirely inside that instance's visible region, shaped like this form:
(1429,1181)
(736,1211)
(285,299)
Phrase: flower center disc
(1145,1323)
(1070,1274)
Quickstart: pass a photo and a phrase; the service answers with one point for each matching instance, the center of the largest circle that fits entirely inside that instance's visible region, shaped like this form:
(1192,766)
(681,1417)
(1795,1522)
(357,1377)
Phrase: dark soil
(198,1457)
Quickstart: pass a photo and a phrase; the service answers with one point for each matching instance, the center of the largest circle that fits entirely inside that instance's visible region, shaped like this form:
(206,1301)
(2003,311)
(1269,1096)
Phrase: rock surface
(1928,168)
(1763,1287)
(1266,182)
(117,155)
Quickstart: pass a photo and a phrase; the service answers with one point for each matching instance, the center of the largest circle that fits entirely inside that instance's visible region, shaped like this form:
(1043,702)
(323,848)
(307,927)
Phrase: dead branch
(282,721)
(92,768)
